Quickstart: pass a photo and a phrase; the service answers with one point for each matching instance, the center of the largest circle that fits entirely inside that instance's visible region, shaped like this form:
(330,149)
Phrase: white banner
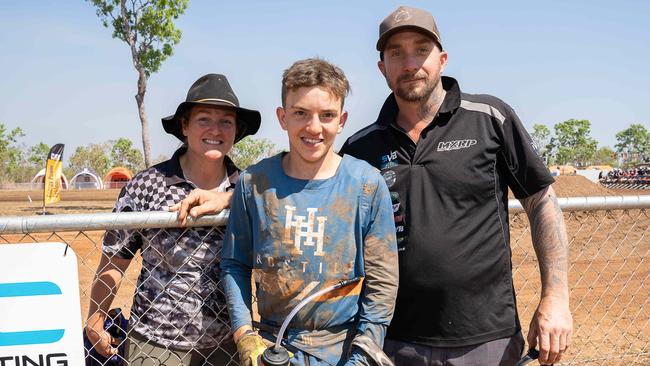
(40,316)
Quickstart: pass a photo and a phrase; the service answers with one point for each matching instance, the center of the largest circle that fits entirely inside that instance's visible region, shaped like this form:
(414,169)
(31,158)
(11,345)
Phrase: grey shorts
(501,352)
(142,352)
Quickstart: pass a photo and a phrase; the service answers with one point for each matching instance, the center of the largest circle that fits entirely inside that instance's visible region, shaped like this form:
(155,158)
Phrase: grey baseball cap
(407,18)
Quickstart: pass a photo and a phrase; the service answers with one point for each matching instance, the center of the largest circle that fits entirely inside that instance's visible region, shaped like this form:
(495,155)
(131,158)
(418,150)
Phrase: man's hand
(101,340)
(551,329)
(552,325)
(201,202)
(250,347)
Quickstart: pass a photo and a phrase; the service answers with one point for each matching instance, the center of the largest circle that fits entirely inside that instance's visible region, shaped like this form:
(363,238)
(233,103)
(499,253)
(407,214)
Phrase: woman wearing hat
(179,314)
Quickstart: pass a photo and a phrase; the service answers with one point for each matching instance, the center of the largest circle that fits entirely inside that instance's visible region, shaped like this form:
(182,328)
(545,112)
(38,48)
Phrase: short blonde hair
(315,72)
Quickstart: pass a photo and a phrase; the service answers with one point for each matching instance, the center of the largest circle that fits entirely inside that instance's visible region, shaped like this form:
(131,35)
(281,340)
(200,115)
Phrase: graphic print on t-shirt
(297,222)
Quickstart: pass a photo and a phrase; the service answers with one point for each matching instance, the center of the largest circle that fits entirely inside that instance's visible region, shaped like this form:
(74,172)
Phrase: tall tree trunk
(142,89)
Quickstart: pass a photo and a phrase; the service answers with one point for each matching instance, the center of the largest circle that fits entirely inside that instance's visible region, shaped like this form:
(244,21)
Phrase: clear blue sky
(64,79)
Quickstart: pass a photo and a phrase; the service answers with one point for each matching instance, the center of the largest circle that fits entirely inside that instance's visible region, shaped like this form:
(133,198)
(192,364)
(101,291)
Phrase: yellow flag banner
(53,171)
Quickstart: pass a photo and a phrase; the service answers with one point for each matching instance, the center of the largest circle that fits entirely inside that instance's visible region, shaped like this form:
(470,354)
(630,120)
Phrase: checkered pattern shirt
(179,302)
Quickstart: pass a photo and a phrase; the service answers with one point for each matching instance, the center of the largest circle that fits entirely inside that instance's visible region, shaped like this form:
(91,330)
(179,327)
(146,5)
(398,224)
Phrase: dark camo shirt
(179,302)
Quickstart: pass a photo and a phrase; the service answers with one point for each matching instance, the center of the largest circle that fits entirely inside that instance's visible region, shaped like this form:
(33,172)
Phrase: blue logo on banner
(24,289)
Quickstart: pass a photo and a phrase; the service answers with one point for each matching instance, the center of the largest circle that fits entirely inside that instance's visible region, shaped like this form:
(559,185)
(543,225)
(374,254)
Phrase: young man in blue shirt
(305,219)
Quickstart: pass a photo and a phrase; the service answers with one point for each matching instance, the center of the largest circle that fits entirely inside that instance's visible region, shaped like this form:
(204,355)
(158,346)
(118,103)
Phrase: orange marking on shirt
(352,289)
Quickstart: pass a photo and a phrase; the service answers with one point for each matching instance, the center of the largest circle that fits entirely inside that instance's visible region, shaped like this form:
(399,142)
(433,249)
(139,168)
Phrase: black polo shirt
(450,201)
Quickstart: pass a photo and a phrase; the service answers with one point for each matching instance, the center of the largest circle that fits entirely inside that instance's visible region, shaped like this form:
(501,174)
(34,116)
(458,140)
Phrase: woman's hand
(101,340)
(201,202)
(106,284)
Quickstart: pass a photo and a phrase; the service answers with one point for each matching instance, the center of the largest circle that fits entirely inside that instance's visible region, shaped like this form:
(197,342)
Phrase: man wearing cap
(449,158)
(179,315)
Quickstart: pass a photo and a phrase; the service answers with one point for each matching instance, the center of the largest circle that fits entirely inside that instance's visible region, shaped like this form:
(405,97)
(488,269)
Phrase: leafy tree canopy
(93,156)
(147,27)
(635,141)
(124,154)
(11,155)
(605,156)
(37,154)
(249,151)
(541,137)
(573,143)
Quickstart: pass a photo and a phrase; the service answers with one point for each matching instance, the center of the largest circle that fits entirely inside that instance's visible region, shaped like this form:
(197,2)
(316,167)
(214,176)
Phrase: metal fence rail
(102,221)
(609,271)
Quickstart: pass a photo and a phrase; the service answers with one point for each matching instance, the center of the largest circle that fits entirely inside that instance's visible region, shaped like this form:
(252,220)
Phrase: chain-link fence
(180,306)
(608,277)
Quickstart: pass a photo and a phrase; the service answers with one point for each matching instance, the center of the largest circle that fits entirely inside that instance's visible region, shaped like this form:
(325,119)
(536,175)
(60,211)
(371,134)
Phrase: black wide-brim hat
(214,89)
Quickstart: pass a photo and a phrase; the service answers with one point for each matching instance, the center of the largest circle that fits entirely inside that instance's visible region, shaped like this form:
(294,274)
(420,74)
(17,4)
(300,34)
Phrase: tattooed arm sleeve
(549,240)
(551,326)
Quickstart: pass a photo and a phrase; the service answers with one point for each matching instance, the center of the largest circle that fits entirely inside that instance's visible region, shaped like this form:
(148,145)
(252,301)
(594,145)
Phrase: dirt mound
(579,186)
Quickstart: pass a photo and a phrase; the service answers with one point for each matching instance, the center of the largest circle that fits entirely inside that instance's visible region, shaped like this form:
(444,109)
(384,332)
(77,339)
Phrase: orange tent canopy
(117,175)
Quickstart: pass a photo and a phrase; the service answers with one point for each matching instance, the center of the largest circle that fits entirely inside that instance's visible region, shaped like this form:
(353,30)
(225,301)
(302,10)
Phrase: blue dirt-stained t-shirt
(298,236)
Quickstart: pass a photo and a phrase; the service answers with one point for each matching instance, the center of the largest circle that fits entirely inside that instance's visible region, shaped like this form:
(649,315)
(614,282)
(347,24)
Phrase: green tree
(573,144)
(11,155)
(605,156)
(541,137)
(147,27)
(37,154)
(32,160)
(249,151)
(635,142)
(93,156)
(124,154)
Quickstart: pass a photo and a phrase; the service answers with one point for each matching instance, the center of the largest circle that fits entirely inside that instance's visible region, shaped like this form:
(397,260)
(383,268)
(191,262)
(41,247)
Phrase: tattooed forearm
(549,239)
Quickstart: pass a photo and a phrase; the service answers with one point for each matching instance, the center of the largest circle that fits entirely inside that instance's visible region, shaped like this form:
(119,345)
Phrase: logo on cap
(401,16)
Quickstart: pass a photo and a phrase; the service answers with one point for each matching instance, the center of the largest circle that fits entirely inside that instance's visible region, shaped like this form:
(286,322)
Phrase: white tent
(39,178)
(86,179)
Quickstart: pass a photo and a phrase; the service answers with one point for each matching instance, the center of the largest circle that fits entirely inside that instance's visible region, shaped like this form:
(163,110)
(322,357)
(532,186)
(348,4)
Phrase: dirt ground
(609,274)
(25,203)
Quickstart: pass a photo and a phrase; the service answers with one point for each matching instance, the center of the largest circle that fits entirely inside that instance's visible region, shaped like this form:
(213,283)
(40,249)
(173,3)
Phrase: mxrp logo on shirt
(455,145)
